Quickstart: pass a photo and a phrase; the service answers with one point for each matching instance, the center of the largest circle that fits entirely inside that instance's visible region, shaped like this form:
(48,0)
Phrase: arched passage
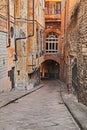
(50,69)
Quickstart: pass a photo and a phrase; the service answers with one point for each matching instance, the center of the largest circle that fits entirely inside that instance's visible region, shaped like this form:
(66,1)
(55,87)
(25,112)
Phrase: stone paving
(9,97)
(40,110)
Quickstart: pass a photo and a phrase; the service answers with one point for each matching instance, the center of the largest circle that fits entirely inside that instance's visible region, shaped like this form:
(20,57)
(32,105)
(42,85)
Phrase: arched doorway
(50,69)
(74,75)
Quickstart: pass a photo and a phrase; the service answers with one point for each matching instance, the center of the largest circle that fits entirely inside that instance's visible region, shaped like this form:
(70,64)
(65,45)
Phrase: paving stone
(41,110)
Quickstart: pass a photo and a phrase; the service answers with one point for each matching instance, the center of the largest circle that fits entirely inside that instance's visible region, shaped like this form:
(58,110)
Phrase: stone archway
(50,69)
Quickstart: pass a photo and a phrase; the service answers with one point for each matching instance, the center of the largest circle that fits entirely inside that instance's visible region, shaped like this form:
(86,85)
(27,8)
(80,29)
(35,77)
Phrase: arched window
(12,32)
(52,43)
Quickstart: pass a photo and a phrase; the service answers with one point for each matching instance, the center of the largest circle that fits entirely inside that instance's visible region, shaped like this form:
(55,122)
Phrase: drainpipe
(8,13)
(20,38)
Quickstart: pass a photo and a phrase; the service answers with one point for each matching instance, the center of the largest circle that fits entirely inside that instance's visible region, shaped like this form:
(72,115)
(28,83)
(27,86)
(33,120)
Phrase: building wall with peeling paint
(11,47)
(3,45)
(20,32)
(35,42)
(24,25)
(29,32)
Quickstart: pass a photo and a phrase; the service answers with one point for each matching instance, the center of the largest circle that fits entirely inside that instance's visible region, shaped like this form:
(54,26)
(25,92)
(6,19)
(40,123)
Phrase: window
(37,47)
(58,7)
(12,32)
(41,41)
(52,7)
(52,43)
(42,3)
(47,7)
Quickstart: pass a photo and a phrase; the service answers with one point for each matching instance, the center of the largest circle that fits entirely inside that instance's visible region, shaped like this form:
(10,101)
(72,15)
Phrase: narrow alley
(43,64)
(40,110)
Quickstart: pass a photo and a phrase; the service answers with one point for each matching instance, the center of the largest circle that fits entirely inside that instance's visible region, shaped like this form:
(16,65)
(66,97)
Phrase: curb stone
(22,95)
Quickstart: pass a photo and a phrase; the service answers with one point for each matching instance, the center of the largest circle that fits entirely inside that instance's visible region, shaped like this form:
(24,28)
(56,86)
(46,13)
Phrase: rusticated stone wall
(82,53)
(75,36)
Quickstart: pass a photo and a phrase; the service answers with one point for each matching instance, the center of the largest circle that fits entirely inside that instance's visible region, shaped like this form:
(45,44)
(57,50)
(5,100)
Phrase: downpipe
(21,38)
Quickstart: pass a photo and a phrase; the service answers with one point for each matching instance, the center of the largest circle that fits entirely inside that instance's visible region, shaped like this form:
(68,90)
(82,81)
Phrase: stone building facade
(35,48)
(51,67)
(21,43)
(3,45)
(11,46)
(75,49)
(28,42)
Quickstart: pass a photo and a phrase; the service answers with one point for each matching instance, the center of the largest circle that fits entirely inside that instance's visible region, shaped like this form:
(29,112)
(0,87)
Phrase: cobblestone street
(40,110)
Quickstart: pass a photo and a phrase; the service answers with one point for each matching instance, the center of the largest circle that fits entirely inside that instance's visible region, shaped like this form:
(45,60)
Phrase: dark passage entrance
(74,76)
(50,70)
(12,77)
